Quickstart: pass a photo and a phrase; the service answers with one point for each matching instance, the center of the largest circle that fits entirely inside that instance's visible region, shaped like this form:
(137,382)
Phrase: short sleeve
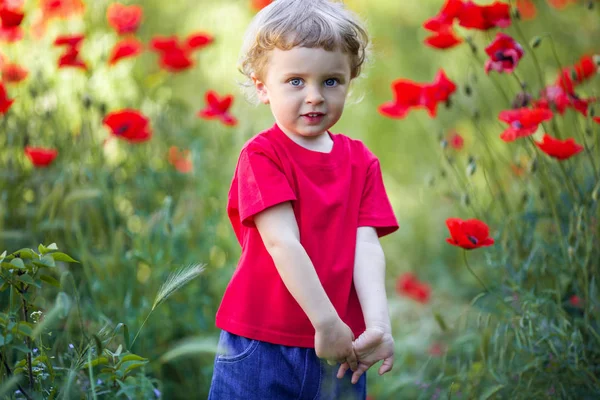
(375,208)
(260,184)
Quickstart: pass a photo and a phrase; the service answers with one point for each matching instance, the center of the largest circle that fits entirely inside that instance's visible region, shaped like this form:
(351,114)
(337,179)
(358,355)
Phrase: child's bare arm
(376,343)
(279,231)
(369,279)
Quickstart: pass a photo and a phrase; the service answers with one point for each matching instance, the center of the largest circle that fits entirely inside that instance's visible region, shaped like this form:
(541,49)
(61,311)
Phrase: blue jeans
(252,369)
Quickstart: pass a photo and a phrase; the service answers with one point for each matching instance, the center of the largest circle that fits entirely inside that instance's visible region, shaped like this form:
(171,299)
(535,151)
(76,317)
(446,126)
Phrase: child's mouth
(313,118)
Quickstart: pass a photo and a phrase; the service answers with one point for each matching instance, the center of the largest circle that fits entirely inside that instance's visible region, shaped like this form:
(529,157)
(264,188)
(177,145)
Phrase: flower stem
(473,273)
(139,330)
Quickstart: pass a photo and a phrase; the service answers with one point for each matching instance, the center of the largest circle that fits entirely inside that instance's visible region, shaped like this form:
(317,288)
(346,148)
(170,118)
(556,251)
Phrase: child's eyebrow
(336,74)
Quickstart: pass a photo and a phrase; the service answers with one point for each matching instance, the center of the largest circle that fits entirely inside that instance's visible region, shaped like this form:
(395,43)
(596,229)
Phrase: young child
(307,207)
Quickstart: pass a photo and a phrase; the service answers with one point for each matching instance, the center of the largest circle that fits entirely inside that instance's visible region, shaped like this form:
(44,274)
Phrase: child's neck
(321,143)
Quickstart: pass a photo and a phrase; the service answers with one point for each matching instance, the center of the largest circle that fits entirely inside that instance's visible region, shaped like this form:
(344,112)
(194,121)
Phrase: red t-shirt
(332,194)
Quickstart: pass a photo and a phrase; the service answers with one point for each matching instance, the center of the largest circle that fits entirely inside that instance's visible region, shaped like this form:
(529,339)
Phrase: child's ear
(261,89)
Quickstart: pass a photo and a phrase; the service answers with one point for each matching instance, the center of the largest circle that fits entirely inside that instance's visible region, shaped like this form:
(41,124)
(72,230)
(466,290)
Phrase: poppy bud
(532,165)
(524,198)
(448,103)
(542,194)
(592,112)
(471,168)
(574,75)
(102,108)
(444,143)
(535,42)
(468,90)
(571,252)
(590,5)
(471,159)
(443,174)
(469,40)
(87,101)
(588,131)
(516,14)
(476,114)
(430,180)
(595,192)
(465,199)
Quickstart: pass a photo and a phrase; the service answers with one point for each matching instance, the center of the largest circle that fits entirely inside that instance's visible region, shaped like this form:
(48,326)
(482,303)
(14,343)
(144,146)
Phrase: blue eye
(295,81)
(331,82)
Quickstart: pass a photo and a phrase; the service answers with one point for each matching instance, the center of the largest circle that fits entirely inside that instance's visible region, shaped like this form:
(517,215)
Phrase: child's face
(306,89)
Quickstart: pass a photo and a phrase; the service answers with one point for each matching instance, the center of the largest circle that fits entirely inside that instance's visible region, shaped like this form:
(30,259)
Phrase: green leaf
(3,256)
(46,261)
(58,256)
(440,320)
(3,319)
(26,254)
(23,328)
(96,361)
(42,249)
(125,334)
(50,280)
(17,263)
(52,246)
(27,279)
(128,366)
(490,392)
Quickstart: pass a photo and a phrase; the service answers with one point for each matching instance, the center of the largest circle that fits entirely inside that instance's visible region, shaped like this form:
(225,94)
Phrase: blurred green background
(131,218)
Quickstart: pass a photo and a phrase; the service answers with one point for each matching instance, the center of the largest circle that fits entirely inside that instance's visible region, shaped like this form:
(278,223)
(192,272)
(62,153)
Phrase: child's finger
(342,371)
(362,368)
(352,360)
(387,365)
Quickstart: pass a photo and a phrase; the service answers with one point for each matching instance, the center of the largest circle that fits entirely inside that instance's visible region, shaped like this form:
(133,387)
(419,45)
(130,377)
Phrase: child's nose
(314,96)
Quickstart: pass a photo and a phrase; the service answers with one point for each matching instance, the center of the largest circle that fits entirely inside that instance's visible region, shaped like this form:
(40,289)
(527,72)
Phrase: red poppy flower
(504,53)
(260,4)
(559,149)
(128,124)
(450,10)
(218,108)
(556,98)
(469,234)
(176,57)
(61,8)
(198,40)
(408,94)
(180,159)
(55,9)
(124,19)
(523,122)
(164,43)
(484,17)
(73,41)
(596,120)
(443,39)
(10,34)
(575,301)
(70,59)
(408,285)
(10,18)
(570,77)
(456,141)
(13,73)
(437,92)
(5,102)
(560,3)
(128,47)
(41,157)
(437,349)
(527,9)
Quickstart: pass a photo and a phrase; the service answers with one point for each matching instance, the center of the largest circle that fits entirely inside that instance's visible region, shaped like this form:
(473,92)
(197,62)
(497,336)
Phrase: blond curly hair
(285,24)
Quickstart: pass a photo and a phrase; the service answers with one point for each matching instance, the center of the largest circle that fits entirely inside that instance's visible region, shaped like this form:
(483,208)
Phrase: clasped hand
(336,342)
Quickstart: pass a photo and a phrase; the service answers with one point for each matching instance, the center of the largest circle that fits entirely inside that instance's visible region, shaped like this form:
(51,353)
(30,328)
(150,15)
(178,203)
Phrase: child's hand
(373,345)
(333,342)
